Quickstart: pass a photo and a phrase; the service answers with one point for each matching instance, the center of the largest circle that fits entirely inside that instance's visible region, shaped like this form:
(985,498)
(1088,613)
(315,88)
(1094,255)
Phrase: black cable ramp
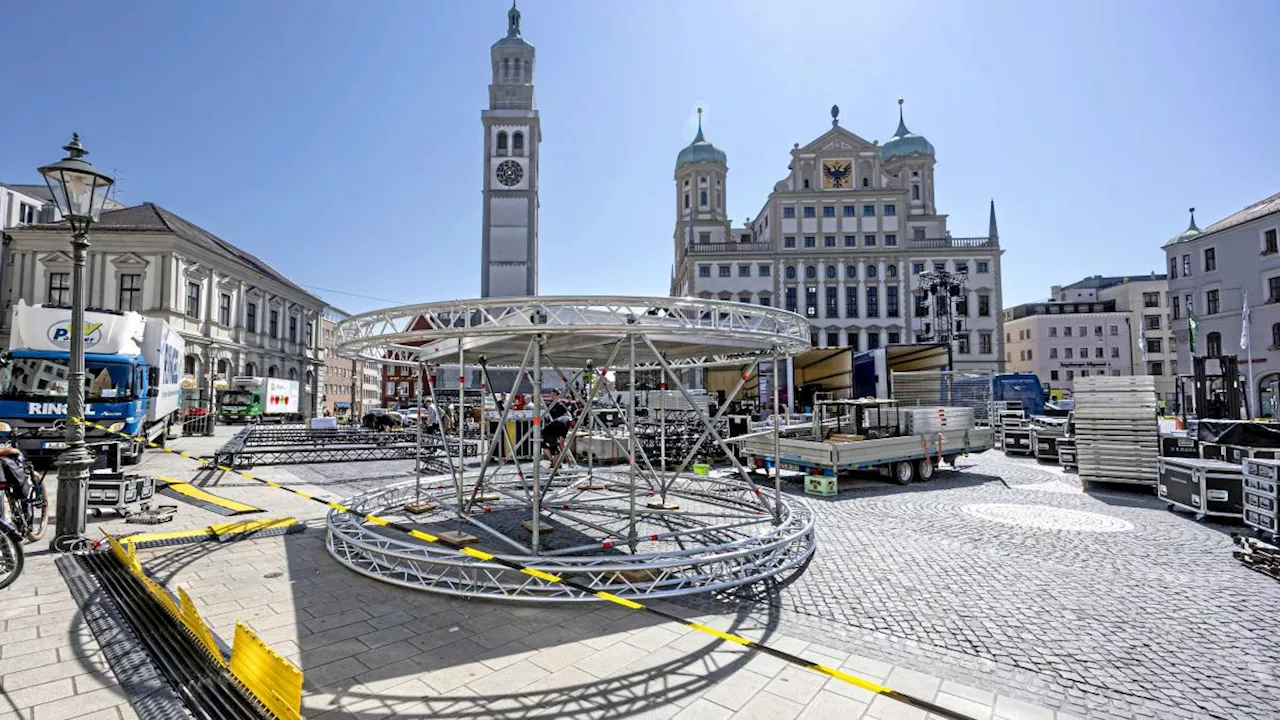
(205,689)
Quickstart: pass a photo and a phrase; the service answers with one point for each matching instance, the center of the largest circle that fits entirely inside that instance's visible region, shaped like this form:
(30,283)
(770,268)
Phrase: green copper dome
(904,143)
(1187,234)
(700,150)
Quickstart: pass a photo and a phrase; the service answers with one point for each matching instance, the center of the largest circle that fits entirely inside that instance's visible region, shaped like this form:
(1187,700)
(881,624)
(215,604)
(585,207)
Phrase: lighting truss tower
(943,290)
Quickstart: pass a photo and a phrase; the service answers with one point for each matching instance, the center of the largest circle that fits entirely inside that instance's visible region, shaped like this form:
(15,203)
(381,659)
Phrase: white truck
(132,377)
(259,399)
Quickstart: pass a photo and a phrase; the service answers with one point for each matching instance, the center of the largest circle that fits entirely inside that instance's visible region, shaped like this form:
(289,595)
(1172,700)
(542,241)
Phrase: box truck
(132,378)
(259,399)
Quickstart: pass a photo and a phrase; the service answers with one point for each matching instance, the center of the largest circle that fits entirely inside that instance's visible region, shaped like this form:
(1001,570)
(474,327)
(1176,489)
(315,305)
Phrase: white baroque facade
(239,315)
(842,239)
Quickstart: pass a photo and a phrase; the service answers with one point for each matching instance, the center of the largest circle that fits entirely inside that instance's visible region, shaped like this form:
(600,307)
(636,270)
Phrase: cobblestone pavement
(1003,602)
(1101,603)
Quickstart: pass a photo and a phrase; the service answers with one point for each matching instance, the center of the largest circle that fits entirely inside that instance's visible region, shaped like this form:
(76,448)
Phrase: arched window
(250,369)
(892,270)
(866,182)
(293,374)
(273,371)
(871,272)
(702,198)
(790,273)
(810,272)
(915,192)
(851,272)
(224,367)
(517,143)
(1275,336)
(686,201)
(506,68)
(831,272)
(1213,344)
(502,142)
(189,365)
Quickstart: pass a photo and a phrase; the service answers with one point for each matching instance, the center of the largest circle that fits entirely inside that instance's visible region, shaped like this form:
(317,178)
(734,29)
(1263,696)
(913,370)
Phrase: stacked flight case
(1262,495)
(1045,433)
(1205,487)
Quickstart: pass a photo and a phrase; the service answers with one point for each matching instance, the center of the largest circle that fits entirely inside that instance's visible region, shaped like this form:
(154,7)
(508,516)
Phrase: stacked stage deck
(1117,431)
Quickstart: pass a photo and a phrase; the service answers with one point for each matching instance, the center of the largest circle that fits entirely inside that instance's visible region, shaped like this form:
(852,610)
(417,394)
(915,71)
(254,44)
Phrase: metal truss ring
(718,539)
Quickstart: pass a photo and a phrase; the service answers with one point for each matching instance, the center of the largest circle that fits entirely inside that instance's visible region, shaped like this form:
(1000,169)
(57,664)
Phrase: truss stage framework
(630,529)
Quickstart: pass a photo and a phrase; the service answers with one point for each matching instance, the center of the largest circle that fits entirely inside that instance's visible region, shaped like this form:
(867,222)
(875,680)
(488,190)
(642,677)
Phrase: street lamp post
(80,192)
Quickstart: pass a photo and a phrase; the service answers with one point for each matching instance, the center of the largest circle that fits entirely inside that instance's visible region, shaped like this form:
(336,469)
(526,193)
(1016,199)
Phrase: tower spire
(513,21)
(699,137)
(991,224)
(902,126)
(1192,226)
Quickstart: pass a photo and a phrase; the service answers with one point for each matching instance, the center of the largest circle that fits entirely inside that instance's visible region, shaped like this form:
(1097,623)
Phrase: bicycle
(24,517)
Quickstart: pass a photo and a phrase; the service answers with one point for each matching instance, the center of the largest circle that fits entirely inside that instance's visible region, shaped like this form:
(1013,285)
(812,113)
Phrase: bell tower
(512,133)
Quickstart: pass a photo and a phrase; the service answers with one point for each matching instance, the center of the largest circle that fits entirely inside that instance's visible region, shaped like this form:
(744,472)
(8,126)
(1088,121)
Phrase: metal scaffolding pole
(631,451)
(462,387)
(536,499)
(777,437)
(417,465)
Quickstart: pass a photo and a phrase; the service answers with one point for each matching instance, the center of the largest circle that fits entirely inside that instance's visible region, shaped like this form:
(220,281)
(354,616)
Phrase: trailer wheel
(904,472)
(924,470)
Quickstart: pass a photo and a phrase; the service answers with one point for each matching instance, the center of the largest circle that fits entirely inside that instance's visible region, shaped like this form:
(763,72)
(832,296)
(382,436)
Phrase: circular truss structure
(644,527)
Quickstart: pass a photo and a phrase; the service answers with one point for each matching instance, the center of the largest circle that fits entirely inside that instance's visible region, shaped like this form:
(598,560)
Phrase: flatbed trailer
(906,458)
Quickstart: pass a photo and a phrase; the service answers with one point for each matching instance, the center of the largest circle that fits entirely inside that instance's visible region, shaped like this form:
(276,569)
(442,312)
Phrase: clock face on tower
(837,174)
(509,173)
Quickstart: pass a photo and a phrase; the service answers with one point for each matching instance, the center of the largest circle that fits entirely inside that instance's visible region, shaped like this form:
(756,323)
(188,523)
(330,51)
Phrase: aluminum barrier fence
(952,388)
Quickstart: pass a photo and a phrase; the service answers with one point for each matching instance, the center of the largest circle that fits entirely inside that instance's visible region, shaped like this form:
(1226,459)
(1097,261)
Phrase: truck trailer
(132,378)
(259,399)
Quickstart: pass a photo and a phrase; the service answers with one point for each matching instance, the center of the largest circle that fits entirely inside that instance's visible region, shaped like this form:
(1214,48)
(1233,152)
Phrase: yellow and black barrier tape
(841,675)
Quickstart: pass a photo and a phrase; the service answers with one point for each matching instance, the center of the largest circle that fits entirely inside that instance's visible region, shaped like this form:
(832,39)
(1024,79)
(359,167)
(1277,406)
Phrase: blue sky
(341,140)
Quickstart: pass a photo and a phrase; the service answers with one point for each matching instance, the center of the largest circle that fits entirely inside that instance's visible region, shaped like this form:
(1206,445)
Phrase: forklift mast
(1218,396)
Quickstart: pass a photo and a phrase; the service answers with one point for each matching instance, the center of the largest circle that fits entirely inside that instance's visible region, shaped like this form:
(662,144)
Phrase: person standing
(431,418)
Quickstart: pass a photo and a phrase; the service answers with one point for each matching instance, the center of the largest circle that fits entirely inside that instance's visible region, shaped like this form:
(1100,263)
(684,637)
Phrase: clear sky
(341,141)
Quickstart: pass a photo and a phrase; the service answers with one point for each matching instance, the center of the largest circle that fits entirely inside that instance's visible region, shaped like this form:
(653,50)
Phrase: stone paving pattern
(996,620)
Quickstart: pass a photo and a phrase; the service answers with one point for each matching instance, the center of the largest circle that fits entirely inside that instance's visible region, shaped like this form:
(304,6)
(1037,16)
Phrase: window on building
(790,272)
(704,271)
(130,292)
(962,306)
(1273,289)
(1187,299)
(1155,367)
(1154,345)
(1053,374)
(788,212)
(868,210)
(1066,331)
(831,272)
(851,272)
(809,211)
(983,266)
(293,329)
(1097,352)
(828,211)
(855,343)
(891,301)
(704,238)
(890,210)
(723,270)
(763,270)
(273,323)
(26,214)
(915,192)
(870,272)
(869,240)
(1176,306)
(962,267)
(1084,353)
(744,271)
(1210,260)
(962,344)
(873,301)
(1115,351)
(1269,242)
(917,268)
(251,316)
(873,340)
(789,241)
(193,299)
(850,240)
(832,310)
(1053,353)
(1275,336)
(851,302)
(1097,331)
(890,240)
(1022,356)
(811,302)
(806,187)
(765,300)
(744,238)
(833,338)
(1213,344)
(1211,302)
(1053,332)
(848,211)
(1186,266)
(1084,331)
(1068,353)
(940,266)
(1173,268)
(702,198)
(790,297)
(224,309)
(810,241)
(1152,321)
(1084,373)
(1071,375)
(1029,354)
(828,240)
(60,288)
(810,272)
(866,182)
(744,298)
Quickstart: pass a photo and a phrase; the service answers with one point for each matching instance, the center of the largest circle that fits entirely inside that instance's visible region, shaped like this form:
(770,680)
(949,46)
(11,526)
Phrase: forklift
(1216,390)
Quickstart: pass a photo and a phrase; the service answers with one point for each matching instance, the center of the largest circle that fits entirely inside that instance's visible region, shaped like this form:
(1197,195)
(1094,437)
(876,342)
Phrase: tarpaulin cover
(1245,433)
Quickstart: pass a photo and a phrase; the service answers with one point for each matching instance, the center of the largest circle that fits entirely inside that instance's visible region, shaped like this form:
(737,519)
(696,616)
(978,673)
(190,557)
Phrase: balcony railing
(950,242)
(729,247)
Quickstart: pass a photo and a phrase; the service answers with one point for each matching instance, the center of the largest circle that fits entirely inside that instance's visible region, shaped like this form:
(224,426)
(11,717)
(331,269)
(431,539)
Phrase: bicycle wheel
(39,518)
(11,558)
